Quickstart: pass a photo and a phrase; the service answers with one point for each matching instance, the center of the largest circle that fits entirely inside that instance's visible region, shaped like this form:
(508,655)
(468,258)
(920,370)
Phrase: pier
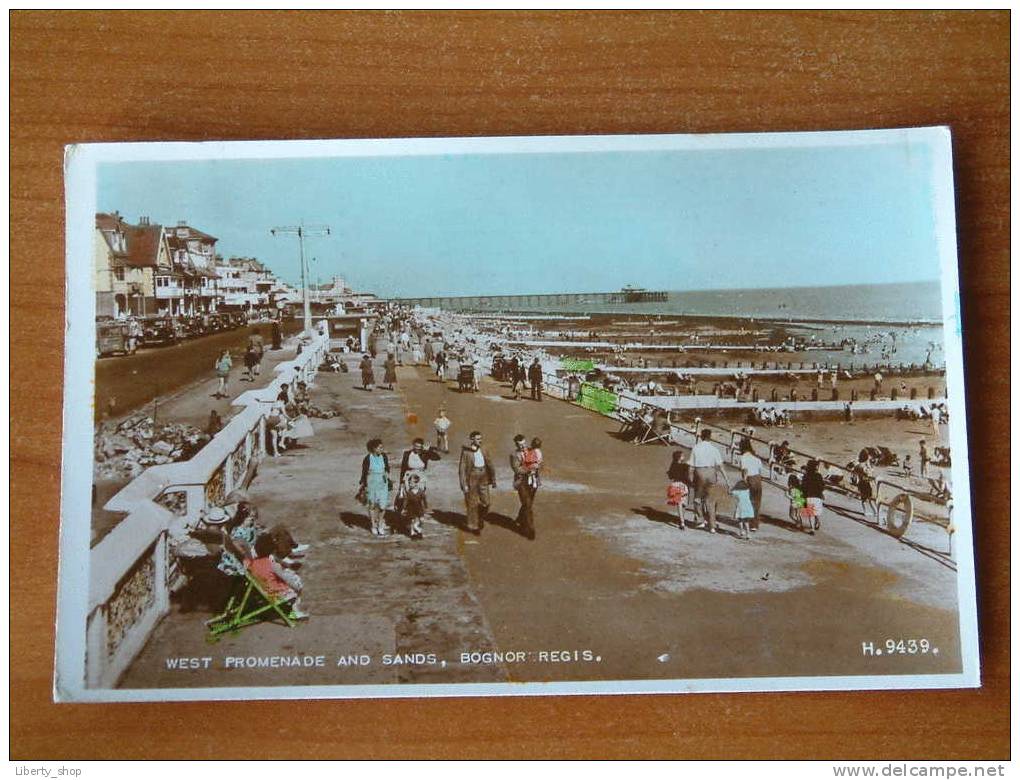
(531,302)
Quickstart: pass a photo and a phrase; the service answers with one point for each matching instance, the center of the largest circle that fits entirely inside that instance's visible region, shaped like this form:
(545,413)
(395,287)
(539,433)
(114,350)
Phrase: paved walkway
(609,590)
(369,597)
(191,405)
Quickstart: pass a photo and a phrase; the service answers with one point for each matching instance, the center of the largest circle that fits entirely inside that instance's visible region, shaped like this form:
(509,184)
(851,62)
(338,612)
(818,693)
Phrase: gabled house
(194,257)
(133,269)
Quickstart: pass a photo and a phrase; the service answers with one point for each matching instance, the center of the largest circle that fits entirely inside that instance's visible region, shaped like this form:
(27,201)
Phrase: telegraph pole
(301,231)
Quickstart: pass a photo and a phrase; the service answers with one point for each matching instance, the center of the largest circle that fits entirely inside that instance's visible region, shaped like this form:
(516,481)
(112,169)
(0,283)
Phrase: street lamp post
(301,231)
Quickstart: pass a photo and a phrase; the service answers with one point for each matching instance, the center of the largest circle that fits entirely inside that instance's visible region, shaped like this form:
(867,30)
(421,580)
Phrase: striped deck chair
(250,602)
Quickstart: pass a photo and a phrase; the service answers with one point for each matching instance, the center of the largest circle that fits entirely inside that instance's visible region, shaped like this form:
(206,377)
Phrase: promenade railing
(133,569)
(896,514)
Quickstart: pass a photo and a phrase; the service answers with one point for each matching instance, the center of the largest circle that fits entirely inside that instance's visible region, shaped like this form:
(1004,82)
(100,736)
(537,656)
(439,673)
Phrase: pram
(466,378)
(499,367)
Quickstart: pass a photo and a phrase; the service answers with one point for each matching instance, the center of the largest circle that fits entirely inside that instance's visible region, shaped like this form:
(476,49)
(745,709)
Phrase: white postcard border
(81,162)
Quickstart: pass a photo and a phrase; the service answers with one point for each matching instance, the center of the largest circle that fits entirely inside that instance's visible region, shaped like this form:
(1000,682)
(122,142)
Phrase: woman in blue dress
(375,485)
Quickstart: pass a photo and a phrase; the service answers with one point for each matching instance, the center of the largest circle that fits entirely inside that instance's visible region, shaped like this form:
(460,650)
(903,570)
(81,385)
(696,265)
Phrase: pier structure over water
(530,302)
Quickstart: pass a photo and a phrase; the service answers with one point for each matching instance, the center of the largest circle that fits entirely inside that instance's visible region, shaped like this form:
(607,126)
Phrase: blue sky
(571,222)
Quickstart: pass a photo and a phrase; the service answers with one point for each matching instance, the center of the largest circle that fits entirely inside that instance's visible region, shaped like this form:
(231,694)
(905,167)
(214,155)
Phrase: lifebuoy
(898,514)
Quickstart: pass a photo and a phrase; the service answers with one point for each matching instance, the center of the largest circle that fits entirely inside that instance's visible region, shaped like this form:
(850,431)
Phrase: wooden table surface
(126,76)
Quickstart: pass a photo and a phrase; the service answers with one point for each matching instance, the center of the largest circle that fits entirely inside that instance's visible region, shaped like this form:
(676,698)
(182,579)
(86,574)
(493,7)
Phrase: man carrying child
(526,464)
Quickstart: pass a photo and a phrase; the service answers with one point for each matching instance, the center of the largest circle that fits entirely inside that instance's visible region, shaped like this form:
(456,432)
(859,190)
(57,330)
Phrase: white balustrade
(131,571)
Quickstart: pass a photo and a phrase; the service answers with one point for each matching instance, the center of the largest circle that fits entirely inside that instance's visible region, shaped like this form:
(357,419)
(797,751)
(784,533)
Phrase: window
(119,273)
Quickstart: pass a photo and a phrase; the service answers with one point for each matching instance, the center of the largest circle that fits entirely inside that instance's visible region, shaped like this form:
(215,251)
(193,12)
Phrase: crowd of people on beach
(648,423)
(705,485)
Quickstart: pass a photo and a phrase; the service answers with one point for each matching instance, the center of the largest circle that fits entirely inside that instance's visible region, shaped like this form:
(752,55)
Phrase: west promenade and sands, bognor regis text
(480,436)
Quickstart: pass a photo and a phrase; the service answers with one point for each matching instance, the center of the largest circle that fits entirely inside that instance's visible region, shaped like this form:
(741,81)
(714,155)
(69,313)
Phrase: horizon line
(690,290)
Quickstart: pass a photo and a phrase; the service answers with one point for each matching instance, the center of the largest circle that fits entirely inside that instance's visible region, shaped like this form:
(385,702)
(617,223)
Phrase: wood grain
(119,76)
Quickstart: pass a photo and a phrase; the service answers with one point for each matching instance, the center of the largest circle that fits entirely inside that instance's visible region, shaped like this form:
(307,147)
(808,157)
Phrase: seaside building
(147,269)
(194,257)
(134,273)
(330,295)
(245,284)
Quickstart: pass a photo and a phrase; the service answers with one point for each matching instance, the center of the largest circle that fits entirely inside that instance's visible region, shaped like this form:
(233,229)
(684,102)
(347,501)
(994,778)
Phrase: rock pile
(125,450)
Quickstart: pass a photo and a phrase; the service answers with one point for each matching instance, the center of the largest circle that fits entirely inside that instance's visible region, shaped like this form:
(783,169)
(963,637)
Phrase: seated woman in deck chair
(278,581)
(940,490)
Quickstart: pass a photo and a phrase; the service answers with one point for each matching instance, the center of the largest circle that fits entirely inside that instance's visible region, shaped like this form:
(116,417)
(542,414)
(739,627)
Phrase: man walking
(525,485)
(706,463)
(517,374)
(535,377)
(477,475)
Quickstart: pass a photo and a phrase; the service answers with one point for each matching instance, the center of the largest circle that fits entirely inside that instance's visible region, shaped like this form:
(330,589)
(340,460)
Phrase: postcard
(513,416)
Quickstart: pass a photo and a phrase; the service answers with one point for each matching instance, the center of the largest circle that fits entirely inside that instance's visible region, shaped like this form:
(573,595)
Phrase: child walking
(677,490)
(223,364)
(797,500)
(414,505)
(745,509)
(442,425)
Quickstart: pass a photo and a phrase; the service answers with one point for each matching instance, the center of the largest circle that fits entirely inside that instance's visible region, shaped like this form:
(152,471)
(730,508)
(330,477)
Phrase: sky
(503,224)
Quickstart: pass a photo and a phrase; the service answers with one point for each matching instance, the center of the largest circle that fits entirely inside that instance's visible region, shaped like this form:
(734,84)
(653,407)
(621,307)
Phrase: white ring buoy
(898,514)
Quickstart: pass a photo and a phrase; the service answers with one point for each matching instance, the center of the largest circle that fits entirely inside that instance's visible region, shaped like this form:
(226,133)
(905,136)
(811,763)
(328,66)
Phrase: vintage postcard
(514,416)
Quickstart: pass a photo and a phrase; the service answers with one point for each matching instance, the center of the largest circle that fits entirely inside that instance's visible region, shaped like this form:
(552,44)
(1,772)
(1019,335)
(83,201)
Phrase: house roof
(108,221)
(193,233)
(141,241)
(247,264)
(143,244)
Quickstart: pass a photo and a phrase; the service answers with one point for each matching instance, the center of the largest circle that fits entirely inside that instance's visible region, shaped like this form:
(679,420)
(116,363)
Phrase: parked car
(161,329)
(193,327)
(113,336)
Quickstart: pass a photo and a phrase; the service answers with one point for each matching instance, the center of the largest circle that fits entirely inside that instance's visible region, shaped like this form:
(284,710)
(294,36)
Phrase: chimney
(143,220)
(182,223)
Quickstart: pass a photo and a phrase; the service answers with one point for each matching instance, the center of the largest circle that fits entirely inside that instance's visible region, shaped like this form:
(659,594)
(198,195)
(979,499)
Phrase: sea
(896,322)
(907,303)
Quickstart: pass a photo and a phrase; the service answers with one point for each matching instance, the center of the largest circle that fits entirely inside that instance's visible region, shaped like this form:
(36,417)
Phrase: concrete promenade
(609,590)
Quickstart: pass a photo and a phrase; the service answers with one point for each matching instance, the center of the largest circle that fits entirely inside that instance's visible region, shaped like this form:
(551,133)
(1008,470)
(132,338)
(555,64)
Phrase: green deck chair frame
(250,602)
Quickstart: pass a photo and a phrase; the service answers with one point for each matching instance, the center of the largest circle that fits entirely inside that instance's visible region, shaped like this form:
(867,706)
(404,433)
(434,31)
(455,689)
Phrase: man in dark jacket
(524,485)
(535,377)
(517,375)
(477,475)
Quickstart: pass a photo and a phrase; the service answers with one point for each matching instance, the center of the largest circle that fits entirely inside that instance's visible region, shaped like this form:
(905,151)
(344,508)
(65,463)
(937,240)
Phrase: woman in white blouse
(751,469)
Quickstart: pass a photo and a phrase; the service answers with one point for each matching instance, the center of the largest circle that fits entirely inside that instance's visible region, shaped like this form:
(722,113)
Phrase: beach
(610,589)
